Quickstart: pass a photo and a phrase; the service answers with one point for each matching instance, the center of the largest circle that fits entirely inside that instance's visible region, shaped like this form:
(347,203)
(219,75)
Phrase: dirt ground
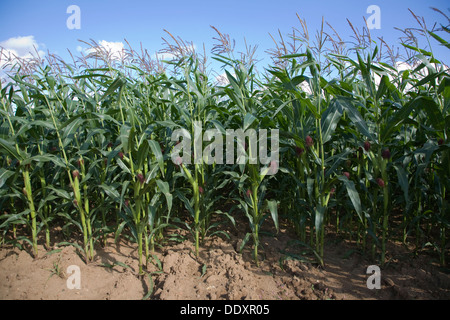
(220,272)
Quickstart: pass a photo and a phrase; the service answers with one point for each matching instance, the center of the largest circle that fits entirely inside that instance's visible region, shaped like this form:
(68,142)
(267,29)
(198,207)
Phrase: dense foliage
(364,148)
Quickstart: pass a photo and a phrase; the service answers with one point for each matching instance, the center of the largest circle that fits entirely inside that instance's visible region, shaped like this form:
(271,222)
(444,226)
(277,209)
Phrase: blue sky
(44,21)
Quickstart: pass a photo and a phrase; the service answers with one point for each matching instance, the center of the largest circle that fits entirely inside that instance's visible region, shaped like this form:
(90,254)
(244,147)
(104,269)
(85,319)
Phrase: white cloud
(115,48)
(19,47)
(222,79)
(163,56)
(399,66)
(22,46)
(304,85)
(187,49)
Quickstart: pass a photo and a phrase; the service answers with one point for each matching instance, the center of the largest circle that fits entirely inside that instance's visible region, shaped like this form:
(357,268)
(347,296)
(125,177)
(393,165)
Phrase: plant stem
(79,205)
(256,244)
(196,216)
(443,229)
(29,195)
(255,221)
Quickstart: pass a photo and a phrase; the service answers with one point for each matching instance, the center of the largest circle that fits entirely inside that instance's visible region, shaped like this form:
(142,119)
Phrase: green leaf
(273,207)
(355,117)
(142,154)
(5,175)
(116,84)
(45,158)
(49,253)
(164,187)
(319,215)
(428,79)
(402,114)
(183,198)
(229,216)
(14,218)
(203,270)
(9,148)
(426,53)
(38,123)
(167,123)
(111,192)
(87,76)
(248,120)
(440,40)
(382,87)
(156,149)
(310,186)
(71,126)
(236,94)
(73,244)
(353,195)
(127,134)
(403,182)
(150,287)
(244,241)
(123,166)
(433,112)
(332,163)
(119,230)
(61,193)
(294,55)
(281,107)
(365,72)
(219,126)
(151,216)
(330,119)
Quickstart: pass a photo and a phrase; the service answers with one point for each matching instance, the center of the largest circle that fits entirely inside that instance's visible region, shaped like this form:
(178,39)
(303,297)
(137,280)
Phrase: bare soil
(220,272)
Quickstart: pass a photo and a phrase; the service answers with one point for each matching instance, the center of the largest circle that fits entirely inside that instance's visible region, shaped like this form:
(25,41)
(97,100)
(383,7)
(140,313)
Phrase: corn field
(364,150)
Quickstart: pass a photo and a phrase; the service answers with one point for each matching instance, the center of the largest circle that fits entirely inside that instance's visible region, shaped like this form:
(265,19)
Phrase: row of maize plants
(361,146)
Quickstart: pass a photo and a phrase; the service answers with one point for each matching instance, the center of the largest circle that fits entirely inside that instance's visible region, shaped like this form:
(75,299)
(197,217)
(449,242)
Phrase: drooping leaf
(353,195)
(330,119)
(156,149)
(273,208)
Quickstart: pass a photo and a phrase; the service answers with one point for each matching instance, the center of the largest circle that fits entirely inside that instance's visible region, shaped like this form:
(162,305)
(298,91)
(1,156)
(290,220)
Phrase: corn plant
(364,148)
